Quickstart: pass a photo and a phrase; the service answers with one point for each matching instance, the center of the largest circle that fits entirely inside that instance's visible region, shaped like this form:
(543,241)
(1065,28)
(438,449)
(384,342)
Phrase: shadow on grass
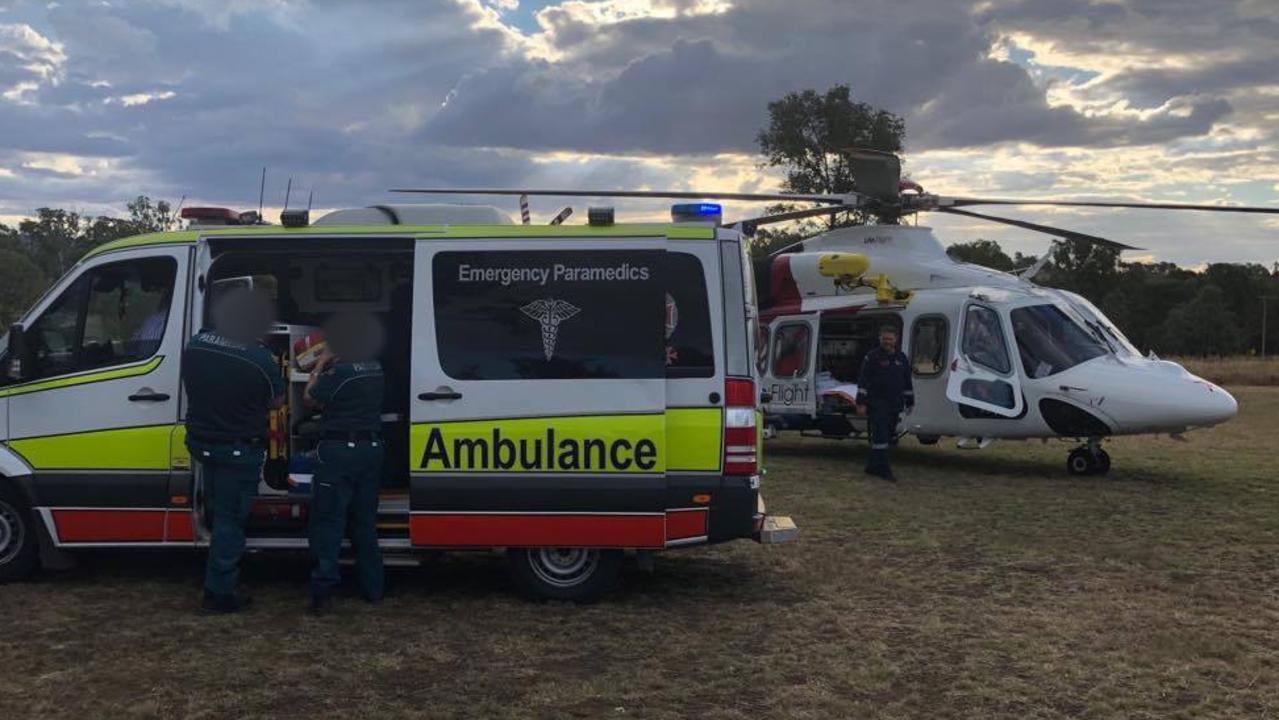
(704,574)
(975,463)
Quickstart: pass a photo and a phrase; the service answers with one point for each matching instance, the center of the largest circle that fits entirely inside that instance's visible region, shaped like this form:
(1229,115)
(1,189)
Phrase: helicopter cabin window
(790,350)
(928,346)
(1049,341)
(984,341)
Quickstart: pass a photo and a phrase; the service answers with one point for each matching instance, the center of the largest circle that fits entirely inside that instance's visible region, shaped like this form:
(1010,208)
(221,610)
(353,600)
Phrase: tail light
(741,438)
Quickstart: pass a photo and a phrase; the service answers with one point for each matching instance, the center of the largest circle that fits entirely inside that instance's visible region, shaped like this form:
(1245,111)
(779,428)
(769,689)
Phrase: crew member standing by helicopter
(883,390)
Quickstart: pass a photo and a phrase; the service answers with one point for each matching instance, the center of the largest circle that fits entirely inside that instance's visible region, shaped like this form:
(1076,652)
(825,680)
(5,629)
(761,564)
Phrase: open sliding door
(539,393)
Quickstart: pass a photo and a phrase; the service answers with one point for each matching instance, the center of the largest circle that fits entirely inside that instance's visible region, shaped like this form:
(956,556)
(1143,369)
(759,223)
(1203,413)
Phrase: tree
(811,135)
(147,216)
(53,240)
(1203,326)
(1089,269)
(20,282)
(982,252)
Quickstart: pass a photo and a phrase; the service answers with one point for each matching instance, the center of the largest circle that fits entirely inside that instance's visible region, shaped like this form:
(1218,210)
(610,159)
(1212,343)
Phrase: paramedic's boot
(225,604)
(320,605)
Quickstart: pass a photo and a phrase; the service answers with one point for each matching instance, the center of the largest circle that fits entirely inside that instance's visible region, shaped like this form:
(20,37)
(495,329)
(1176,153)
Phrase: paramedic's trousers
(345,489)
(883,431)
(230,476)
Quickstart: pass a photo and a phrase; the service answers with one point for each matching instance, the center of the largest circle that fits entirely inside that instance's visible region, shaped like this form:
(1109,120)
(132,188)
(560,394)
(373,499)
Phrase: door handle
(148,396)
(440,395)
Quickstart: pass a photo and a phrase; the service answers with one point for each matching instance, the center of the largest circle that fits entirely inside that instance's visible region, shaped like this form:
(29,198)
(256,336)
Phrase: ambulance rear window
(689,349)
(550,314)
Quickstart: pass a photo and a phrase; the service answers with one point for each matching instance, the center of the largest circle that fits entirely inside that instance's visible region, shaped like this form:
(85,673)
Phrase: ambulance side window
(689,349)
(112,314)
(790,350)
(551,314)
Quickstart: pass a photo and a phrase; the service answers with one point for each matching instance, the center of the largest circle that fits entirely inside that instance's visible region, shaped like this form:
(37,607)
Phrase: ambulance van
(564,393)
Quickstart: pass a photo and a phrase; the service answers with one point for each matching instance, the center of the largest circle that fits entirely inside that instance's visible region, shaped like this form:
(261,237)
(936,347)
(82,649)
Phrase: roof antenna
(309,198)
(288,190)
(261,193)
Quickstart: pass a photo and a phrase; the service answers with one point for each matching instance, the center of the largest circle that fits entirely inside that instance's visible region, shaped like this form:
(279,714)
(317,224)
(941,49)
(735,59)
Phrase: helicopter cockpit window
(984,340)
(1049,341)
(790,350)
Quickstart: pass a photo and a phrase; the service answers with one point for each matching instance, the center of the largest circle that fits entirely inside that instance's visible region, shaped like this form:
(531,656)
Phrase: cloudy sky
(1172,100)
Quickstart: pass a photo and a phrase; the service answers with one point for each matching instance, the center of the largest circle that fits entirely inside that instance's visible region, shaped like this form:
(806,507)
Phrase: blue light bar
(693,212)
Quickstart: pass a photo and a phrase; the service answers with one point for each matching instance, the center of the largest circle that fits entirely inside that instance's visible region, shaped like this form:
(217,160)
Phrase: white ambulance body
(565,392)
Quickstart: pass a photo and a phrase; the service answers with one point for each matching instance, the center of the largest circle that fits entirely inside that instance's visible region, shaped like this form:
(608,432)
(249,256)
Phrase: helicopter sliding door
(982,374)
(790,369)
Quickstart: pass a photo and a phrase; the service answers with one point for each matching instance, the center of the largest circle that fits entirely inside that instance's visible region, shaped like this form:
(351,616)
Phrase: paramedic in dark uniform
(232,381)
(347,384)
(883,390)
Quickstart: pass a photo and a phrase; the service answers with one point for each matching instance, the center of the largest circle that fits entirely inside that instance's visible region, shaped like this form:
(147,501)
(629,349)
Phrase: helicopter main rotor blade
(788,216)
(944,202)
(1046,229)
(668,194)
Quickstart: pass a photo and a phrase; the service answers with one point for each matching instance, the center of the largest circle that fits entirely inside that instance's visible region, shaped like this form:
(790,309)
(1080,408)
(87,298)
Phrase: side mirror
(17,352)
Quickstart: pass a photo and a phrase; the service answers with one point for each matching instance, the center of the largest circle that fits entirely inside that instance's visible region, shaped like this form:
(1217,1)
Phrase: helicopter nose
(1177,404)
(1212,405)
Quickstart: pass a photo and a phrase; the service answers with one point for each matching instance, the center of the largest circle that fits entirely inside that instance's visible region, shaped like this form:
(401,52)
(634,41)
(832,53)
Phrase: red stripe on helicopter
(537,530)
(123,526)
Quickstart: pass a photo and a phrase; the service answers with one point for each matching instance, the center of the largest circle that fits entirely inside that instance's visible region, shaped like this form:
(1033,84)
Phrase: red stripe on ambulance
(85,526)
(537,530)
(685,524)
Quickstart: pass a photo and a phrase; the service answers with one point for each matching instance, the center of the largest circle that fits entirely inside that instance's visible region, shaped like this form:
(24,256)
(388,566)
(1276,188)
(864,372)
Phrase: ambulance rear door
(539,391)
(695,352)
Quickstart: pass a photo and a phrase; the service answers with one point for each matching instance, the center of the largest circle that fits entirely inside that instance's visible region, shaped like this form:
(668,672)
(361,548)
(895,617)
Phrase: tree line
(41,249)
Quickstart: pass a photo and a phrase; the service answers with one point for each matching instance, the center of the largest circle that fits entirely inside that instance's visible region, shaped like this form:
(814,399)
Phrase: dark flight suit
(884,387)
(348,475)
(230,387)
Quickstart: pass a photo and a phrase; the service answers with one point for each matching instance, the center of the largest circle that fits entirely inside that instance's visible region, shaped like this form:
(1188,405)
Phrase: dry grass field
(984,584)
(1236,370)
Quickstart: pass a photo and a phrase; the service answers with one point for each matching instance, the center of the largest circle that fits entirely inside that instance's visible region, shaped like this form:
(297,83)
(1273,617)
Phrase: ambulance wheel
(576,574)
(1081,462)
(19,553)
(928,439)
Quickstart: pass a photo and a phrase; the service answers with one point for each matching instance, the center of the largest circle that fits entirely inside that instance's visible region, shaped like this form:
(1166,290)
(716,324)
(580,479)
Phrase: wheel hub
(10,533)
(564,567)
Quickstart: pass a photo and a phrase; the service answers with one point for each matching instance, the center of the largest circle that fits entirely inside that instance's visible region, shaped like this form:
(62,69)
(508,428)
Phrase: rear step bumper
(773,529)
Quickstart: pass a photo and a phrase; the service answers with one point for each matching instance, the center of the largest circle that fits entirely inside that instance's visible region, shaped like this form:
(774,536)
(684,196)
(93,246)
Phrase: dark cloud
(355,98)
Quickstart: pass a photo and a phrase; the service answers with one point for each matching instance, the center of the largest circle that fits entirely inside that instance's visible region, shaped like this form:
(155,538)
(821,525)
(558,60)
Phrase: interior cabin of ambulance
(306,289)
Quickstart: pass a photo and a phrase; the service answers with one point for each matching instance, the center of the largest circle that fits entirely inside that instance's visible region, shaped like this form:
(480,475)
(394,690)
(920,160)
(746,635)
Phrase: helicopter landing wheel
(1088,460)
(1103,462)
(1080,462)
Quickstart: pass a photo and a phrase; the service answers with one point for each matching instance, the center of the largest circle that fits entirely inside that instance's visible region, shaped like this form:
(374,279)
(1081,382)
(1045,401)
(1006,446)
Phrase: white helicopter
(994,356)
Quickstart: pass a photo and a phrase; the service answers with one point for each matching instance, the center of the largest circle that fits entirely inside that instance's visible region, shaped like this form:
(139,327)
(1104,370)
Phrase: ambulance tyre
(574,574)
(19,551)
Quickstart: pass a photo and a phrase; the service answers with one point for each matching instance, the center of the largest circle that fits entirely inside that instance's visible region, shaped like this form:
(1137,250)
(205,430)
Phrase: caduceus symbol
(549,314)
